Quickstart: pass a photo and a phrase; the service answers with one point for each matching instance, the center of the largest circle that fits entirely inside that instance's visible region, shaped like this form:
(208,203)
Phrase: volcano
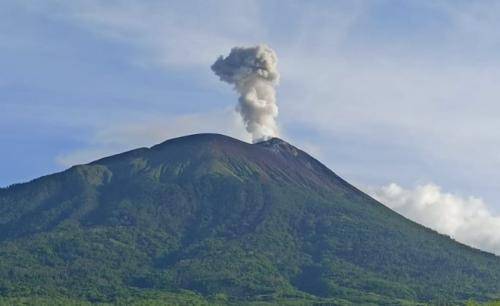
(210,219)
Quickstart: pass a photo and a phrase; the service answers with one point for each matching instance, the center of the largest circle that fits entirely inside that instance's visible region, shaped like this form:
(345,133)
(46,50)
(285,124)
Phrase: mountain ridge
(220,217)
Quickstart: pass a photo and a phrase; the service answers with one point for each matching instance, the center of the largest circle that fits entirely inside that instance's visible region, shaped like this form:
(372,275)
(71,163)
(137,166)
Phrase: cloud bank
(254,73)
(466,219)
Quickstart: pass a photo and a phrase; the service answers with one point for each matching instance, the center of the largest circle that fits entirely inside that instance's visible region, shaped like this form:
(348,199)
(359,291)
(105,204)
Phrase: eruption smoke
(254,74)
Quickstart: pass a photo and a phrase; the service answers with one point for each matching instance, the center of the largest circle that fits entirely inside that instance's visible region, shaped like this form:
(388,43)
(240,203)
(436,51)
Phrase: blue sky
(382,92)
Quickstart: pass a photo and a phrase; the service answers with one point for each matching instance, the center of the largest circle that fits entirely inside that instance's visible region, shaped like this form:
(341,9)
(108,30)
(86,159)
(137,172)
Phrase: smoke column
(254,74)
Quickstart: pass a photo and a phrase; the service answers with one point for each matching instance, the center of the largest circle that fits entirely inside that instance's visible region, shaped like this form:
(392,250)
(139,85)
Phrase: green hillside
(209,219)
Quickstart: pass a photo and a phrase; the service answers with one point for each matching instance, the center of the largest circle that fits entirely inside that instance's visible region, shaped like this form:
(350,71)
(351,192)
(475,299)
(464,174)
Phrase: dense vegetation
(207,219)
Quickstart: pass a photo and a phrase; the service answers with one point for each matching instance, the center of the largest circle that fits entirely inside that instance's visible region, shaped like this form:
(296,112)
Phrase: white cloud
(466,219)
(179,35)
(441,117)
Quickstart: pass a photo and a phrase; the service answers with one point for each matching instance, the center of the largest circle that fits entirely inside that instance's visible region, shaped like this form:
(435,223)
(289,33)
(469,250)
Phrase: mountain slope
(226,220)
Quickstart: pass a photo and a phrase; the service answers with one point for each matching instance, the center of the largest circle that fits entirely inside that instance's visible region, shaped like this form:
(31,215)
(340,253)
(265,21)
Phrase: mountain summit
(214,219)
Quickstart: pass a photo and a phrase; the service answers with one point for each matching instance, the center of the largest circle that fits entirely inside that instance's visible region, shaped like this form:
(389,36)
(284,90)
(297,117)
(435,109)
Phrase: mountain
(210,219)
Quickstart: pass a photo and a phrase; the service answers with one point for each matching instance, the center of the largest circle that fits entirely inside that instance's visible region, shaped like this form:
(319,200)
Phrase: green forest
(210,220)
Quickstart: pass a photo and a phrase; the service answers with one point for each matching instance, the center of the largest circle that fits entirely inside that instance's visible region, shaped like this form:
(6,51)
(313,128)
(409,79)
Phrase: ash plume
(254,74)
